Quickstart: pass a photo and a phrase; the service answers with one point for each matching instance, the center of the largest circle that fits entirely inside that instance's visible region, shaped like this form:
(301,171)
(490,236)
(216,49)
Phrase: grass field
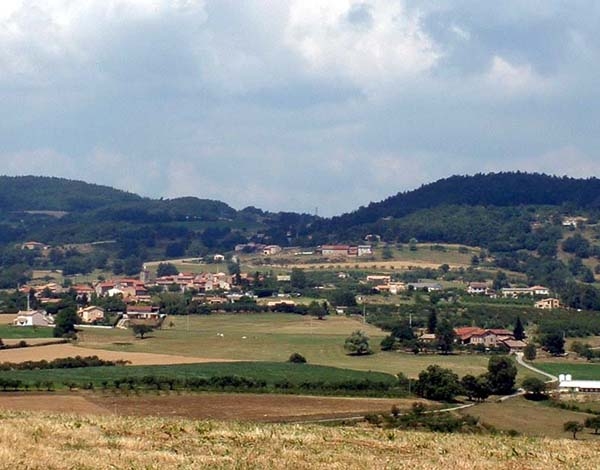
(529,417)
(270,372)
(273,337)
(108,442)
(579,371)
(11,332)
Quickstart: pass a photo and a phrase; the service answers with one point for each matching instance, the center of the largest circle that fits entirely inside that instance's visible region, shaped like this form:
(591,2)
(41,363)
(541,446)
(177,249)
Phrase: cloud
(366,43)
(506,77)
(295,105)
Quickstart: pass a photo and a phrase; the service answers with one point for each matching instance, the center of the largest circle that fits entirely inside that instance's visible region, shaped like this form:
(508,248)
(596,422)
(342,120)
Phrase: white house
(33,318)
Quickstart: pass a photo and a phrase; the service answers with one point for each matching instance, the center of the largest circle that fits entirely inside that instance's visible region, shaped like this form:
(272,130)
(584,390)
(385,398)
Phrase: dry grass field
(530,418)
(53,441)
(55,351)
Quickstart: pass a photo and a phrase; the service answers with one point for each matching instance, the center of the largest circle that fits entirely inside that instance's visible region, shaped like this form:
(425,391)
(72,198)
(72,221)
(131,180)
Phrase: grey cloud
(214,101)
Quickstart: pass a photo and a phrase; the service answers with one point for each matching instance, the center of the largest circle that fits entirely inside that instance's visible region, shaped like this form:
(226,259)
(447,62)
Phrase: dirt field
(55,351)
(228,407)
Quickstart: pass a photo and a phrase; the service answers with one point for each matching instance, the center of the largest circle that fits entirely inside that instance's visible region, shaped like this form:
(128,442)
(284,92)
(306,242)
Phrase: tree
(530,352)
(388,343)
(573,427)
(554,343)
(501,374)
(536,388)
(445,336)
(469,384)
(298,278)
(477,388)
(519,331)
(65,321)
(432,320)
(593,423)
(500,281)
(318,310)
(343,297)
(357,344)
(166,269)
(141,330)
(438,383)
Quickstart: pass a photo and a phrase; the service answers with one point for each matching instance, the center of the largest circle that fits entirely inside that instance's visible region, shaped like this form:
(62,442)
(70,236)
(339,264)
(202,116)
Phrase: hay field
(107,442)
(273,337)
(530,418)
(55,351)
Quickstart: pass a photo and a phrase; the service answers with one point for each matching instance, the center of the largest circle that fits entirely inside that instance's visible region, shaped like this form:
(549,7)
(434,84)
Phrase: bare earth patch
(219,406)
(245,407)
(55,351)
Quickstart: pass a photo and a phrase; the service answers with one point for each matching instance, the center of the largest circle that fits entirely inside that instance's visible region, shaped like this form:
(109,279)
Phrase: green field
(270,372)
(17,332)
(273,337)
(578,371)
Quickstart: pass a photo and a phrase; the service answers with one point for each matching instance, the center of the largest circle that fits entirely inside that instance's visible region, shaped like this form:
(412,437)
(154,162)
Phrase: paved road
(551,377)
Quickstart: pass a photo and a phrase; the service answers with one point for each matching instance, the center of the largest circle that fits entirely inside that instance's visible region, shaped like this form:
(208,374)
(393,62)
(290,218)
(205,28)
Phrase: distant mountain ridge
(492,189)
(46,193)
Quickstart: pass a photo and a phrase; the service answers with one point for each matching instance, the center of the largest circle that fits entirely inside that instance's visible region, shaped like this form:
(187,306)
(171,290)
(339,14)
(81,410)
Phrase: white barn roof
(580,384)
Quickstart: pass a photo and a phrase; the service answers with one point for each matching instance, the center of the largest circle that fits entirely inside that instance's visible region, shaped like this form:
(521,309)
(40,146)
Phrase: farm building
(566,384)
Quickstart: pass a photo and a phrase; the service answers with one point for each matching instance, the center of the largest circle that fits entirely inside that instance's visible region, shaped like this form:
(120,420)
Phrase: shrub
(297,358)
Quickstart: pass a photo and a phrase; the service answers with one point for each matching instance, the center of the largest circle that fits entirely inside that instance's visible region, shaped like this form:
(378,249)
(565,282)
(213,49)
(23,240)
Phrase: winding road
(521,362)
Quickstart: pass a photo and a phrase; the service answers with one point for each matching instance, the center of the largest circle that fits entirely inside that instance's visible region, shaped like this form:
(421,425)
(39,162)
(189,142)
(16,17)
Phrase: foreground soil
(61,441)
(220,406)
(55,351)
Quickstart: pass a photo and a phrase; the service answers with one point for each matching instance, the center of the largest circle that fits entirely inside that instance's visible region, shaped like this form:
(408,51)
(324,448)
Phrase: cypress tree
(519,331)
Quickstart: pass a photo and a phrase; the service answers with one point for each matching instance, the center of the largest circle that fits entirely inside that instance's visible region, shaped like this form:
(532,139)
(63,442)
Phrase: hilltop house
(547,304)
(520,291)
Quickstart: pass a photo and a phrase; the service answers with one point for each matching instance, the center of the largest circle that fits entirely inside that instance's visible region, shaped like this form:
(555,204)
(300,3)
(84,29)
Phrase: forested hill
(42,193)
(494,189)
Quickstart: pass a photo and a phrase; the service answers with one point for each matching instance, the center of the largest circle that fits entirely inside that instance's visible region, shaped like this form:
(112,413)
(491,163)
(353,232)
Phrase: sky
(297,105)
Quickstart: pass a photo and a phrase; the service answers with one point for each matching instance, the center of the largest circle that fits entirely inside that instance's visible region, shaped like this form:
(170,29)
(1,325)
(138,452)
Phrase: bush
(297,358)
(357,344)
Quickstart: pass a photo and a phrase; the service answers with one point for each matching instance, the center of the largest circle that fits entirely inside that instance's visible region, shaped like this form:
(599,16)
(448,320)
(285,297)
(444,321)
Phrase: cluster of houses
(383,283)
(345,250)
(489,338)
(341,251)
(547,302)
